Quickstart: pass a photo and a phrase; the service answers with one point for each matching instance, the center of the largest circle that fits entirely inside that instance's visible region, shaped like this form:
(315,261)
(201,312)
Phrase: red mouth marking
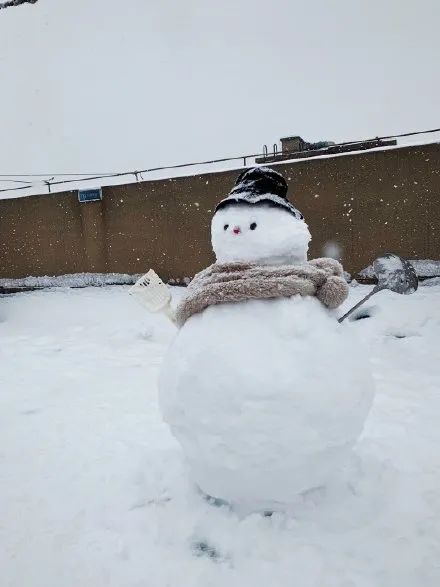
(236,230)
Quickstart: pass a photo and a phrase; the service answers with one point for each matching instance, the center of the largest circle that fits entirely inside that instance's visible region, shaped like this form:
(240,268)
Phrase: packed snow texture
(252,390)
(431,282)
(93,487)
(266,235)
(255,394)
(424,268)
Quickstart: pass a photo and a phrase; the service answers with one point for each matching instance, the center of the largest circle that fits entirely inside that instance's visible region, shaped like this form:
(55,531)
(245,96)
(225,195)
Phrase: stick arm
(375,290)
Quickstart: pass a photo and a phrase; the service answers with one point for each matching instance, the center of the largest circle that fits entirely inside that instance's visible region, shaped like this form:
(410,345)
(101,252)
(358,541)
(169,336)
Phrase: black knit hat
(260,186)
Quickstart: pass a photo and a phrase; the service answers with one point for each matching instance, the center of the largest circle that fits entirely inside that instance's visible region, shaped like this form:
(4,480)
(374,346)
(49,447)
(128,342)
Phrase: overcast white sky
(101,85)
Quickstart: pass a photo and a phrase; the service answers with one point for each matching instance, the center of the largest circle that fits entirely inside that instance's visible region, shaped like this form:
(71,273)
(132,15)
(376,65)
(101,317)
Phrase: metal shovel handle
(376,289)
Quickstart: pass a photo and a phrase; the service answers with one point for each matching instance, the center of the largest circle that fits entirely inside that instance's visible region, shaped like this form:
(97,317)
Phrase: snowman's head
(257,224)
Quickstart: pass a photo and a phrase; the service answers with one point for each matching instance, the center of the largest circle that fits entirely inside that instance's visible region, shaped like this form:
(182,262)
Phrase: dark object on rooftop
(297,148)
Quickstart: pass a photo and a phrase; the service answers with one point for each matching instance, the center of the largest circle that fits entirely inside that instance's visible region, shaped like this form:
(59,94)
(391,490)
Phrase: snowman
(265,392)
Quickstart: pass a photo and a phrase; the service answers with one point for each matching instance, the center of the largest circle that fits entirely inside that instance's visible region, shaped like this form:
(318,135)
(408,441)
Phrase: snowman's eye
(253,226)
(226,226)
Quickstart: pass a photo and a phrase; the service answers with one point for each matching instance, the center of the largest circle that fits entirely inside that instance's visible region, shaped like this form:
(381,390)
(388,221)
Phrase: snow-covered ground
(93,489)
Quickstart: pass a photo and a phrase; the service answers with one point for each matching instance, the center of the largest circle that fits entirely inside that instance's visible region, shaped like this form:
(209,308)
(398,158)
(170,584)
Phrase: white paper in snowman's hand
(151,292)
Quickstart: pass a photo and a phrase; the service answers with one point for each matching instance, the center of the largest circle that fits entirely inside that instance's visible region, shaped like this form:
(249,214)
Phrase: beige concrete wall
(368,203)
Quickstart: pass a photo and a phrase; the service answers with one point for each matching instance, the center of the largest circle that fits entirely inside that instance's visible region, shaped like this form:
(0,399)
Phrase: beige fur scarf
(237,282)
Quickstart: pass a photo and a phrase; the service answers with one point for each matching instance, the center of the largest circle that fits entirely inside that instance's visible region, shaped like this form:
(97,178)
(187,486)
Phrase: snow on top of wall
(79,280)
(424,268)
(72,280)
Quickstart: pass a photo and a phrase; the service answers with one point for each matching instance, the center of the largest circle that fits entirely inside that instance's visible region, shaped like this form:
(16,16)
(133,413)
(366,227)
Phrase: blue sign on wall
(92,195)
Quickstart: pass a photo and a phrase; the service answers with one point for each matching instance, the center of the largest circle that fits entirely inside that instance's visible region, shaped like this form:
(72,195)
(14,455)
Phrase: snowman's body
(266,397)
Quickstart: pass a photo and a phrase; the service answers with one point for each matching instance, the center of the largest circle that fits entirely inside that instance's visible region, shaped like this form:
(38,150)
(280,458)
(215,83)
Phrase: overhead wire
(83,177)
